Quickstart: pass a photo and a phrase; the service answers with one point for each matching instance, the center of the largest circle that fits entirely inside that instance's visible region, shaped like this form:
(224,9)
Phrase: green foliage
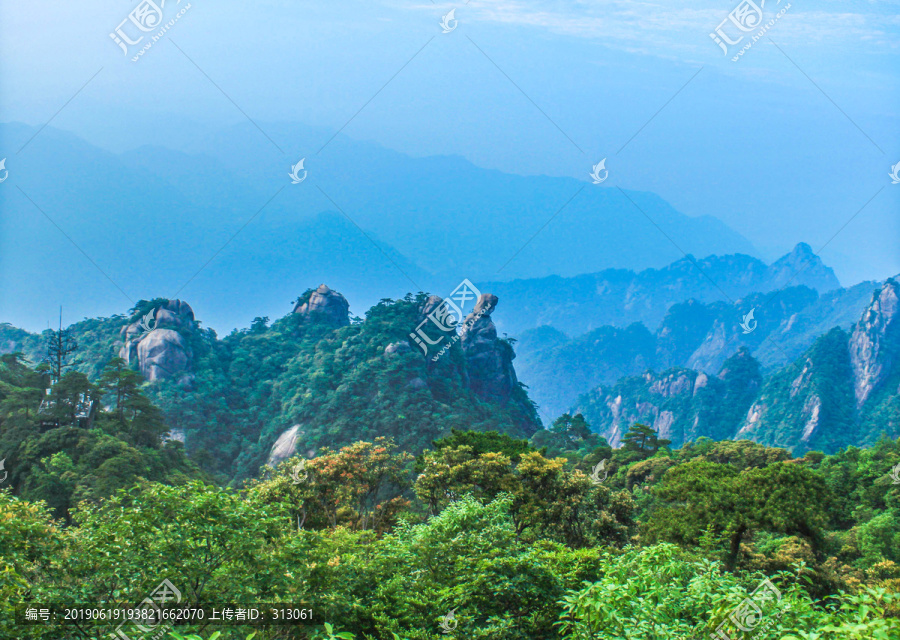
(515,539)
(639,443)
(515,553)
(337,384)
(701,496)
(359,487)
(84,441)
(665,594)
(571,437)
(483,442)
(549,501)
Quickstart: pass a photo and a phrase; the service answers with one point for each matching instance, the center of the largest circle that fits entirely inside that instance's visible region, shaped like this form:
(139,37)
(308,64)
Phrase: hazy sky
(787,144)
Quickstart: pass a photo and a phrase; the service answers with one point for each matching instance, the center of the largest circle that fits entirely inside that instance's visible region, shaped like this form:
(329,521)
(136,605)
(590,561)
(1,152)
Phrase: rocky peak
(327,305)
(739,362)
(875,341)
(485,306)
(432,303)
(155,341)
(488,359)
(801,267)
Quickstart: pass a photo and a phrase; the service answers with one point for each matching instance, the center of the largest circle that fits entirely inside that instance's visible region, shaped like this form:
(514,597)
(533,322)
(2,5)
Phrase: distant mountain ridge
(698,332)
(620,297)
(397,224)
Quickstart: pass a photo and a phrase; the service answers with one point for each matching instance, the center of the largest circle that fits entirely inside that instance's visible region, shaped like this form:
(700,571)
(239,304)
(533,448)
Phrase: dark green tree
(643,440)
(705,498)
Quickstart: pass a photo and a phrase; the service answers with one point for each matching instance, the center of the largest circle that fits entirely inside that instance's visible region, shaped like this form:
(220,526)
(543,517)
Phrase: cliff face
(488,359)
(155,342)
(875,342)
(681,404)
(843,390)
(808,404)
(693,335)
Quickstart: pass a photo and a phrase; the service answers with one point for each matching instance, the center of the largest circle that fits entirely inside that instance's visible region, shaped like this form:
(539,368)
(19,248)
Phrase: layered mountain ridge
(620,297)
(844,389)
(370,221)
(317,377)
(692,334)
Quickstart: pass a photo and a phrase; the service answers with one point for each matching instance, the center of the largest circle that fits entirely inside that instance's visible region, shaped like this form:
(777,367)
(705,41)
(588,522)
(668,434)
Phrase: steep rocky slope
(154,343)
(843,390)
(681,404)
(692,334)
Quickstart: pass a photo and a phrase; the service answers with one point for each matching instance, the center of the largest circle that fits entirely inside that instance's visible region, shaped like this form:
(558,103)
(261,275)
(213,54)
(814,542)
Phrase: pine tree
(643,439)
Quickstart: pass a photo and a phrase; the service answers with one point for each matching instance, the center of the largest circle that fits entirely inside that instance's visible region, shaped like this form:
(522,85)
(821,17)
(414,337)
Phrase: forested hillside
(314,376)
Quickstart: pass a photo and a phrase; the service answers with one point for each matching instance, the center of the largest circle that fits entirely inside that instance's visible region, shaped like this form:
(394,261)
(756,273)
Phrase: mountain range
(620,297)
(370,221)
(675,316)
(843,390)
(317,378)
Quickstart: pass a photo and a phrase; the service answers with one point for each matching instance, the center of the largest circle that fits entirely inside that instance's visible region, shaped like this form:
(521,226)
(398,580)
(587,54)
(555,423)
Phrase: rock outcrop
(800,267)
(325,305)
(285,446)
(155,342)
(397,348)
(163,353)
(875,342)
(808,404)
(681,404)
(488,359)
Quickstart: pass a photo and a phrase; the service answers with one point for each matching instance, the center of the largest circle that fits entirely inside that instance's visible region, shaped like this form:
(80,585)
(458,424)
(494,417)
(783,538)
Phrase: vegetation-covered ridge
(315,374)
(479,532)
